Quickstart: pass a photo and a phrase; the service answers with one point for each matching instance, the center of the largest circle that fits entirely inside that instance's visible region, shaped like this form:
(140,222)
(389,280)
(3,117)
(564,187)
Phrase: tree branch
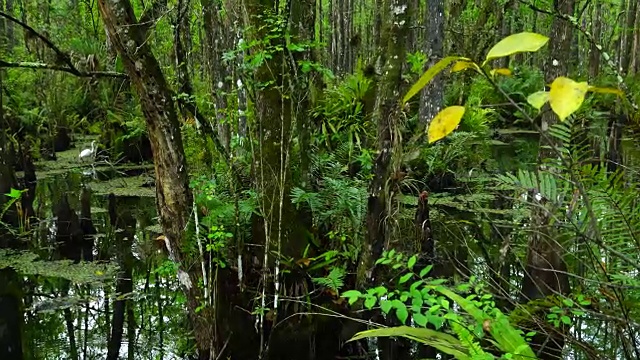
(43,66)
(60,55)
(152,14)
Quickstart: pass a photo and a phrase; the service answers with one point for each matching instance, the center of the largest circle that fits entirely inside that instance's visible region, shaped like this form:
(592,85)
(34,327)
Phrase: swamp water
(77,311)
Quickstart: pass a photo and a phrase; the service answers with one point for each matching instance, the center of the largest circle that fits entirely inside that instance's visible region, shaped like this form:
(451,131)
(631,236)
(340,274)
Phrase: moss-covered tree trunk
(594,53)
(432,96)
(219,33)
(627,54)
(387,112)
(173,197)
(280,225)
(387,115)
(305,85)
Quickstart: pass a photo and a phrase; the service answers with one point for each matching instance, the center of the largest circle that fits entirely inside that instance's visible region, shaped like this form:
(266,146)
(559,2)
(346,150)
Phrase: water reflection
(101,214)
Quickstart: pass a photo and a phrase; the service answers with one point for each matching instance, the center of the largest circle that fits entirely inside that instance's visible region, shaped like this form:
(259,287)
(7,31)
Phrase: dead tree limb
(43,66)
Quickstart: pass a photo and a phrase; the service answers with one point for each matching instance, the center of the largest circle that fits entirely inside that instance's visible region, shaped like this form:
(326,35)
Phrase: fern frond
(334,280)
(468,341)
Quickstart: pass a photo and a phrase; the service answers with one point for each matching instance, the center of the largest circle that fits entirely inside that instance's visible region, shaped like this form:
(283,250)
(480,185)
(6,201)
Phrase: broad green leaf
(14,193)
(445,122)
(538,99)
(405,278)
(351,294)
(566,96)
(398,304)
(412,262)
(416,298)
(437,281)
(425,271)
(385,306)
(439,340)
(516,43)
(430,74)
(402,314)
(369,302)
(436,320)
(419,319)
(380,291)
(478,331)
(415,285)
(445,303)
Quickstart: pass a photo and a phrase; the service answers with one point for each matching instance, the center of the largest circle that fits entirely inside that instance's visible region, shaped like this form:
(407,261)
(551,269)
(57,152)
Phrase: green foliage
(334,280)
(439,340)
(343,115)
(338,204)
(427,301)
(166,269)
(217,239)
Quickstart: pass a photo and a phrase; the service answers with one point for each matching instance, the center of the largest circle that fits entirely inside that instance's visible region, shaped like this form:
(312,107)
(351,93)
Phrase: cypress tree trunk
(173,197)
(387,115)
(432,96)
(280,225)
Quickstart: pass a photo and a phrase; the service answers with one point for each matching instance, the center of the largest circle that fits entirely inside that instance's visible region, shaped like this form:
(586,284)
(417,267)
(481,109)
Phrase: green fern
(545,183)
(468,341)
(334,280)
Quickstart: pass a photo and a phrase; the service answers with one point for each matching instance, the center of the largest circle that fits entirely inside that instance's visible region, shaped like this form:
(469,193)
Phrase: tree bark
(173,197)
(3,35)
(432,96)
(594,53)
(11,40)
(392,52)
(629,36)
(387,115)
(218,38)
(280,225)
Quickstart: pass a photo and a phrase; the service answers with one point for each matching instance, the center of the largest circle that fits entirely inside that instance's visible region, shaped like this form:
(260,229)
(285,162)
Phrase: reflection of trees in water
(72,312)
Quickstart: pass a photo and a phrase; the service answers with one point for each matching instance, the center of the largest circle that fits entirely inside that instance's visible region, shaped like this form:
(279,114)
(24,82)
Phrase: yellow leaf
(430,74)
(538,99)
(445,122)
(606,90)
(501,71)
(566,96)
(99,273)
(463,65)
(516,43)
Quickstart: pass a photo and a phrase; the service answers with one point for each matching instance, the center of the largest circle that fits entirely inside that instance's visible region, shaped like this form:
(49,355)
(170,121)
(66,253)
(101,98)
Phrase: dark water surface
(101,214)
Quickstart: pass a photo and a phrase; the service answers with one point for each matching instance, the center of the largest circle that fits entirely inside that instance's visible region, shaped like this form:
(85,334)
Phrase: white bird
(88,152)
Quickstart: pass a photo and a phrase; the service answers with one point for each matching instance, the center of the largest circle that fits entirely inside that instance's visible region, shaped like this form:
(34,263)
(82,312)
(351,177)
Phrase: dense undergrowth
(480,196)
